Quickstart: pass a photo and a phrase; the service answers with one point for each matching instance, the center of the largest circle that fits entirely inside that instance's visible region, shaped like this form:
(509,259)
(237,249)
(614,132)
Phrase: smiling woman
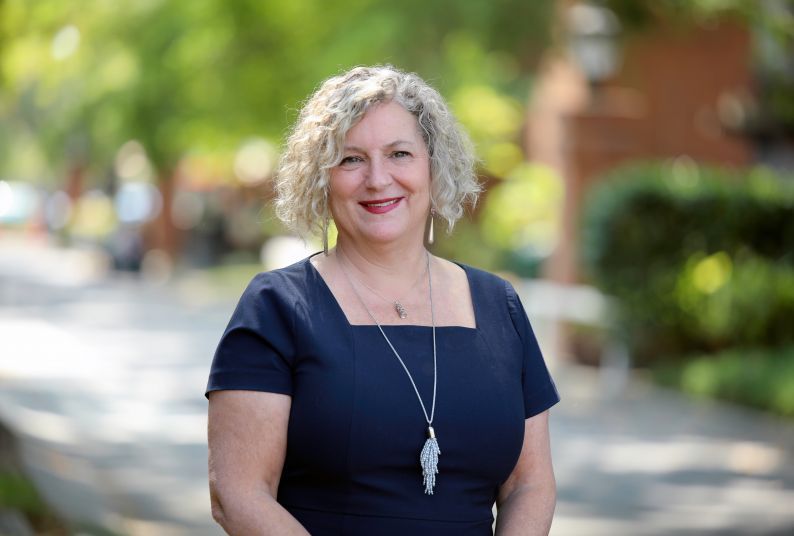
(376,388)
(316,145)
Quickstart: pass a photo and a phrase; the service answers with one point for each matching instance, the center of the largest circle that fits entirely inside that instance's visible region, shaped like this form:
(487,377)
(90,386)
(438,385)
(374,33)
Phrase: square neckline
(338,307)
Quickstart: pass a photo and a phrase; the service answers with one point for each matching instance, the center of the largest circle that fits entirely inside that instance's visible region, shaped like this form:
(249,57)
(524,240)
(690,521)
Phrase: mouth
(380,206)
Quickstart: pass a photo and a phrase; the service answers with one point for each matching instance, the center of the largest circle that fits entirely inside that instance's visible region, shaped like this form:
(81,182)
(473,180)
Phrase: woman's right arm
(247,432)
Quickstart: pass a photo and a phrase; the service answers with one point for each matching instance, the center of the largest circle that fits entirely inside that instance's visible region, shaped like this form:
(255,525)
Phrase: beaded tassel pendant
(429,460)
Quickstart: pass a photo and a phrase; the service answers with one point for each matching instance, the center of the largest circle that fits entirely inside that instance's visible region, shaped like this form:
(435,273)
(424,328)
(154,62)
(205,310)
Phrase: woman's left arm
(525,505)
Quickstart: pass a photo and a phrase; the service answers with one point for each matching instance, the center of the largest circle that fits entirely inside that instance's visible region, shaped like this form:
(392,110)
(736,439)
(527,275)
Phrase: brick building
(676,91)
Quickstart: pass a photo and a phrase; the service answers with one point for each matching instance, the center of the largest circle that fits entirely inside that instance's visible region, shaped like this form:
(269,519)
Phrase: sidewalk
(101,382)
(648,461)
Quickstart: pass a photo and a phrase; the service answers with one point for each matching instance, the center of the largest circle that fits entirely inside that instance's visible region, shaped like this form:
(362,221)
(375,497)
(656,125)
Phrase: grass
(18,494)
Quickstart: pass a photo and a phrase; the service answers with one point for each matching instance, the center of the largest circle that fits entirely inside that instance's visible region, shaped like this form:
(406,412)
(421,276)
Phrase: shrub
(700,259)
(761,378)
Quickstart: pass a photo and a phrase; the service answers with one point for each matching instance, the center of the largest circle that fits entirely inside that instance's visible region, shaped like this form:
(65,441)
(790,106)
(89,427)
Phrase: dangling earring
(430,234)
(325,237)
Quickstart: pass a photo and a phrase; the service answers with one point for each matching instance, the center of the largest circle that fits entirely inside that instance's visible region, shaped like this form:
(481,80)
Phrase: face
(380,191)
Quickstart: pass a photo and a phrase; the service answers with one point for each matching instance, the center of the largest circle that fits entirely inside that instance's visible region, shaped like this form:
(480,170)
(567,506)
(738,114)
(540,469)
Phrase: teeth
(385,204)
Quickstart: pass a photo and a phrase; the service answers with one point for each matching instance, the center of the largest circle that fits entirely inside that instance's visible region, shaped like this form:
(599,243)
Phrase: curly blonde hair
(316,143)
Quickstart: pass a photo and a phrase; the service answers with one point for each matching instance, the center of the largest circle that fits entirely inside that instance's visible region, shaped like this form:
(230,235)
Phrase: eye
(350,160)
(400,154)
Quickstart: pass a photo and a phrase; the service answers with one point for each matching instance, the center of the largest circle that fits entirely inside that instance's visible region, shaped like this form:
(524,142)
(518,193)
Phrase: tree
(199,78)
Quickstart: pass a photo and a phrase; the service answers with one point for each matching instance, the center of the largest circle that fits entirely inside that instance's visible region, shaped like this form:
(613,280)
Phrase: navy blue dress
(356,428)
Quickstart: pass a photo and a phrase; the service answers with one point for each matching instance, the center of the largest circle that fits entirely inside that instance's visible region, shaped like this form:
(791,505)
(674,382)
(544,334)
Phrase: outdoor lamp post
(592,40)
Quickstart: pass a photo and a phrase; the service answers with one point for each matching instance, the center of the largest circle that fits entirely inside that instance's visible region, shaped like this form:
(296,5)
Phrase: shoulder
(495,293)
(483,278)
(276,298)
(282,280)
(490,291)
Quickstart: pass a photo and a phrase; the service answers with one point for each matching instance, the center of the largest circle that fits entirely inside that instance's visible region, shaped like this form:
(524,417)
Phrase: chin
(384,236)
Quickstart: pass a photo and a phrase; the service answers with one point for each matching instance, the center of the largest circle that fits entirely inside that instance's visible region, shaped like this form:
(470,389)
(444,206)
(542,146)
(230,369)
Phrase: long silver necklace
(428,458)
(399,308)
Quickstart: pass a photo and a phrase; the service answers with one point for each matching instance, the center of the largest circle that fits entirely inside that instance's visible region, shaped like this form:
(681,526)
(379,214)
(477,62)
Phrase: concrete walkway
(101,381)
(649,462)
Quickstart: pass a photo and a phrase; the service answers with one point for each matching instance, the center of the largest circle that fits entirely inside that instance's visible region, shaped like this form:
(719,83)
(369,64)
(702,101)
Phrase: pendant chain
(428,457)
(402,312)
(429,418)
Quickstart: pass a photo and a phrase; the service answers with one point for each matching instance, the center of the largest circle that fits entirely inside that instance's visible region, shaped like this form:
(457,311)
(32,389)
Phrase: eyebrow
(387,146)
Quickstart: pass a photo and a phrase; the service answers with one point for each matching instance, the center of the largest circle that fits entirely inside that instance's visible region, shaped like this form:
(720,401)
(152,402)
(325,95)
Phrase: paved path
(649,462)
(101,382)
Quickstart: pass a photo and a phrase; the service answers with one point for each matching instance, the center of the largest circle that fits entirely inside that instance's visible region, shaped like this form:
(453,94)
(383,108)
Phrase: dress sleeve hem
(265,384)
(541,401)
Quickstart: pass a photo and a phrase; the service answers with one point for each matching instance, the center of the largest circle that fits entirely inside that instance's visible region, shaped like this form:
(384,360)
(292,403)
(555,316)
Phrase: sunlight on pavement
(36,258)
(35,349)
(650,462)
(689,454)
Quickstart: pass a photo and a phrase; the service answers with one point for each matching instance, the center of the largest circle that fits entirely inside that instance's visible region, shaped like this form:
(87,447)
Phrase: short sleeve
(256,350)
(540,393)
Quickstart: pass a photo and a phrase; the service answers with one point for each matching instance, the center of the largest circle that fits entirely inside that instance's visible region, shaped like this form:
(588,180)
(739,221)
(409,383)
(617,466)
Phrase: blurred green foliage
(516,228)
(700,259)
(194,78)
(18,493)
(192,83)
(760,378)
(520,212)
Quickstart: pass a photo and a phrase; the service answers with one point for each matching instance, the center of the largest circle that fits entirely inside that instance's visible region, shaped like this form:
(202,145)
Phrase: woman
(377,389)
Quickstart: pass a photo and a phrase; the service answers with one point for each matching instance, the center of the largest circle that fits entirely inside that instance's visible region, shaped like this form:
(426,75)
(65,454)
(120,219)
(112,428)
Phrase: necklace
(428,458)
(402,312)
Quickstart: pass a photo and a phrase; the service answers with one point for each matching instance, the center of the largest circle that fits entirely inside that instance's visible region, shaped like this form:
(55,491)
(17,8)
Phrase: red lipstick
(381,206)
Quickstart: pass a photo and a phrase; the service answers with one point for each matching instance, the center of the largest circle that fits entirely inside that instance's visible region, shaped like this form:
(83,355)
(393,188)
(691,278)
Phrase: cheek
(336,187)
(341,190)
(426,175)
(424,184)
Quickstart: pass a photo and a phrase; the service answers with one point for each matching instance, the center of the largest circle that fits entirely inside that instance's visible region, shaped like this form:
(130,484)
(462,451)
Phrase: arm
(247,435)
(525,504)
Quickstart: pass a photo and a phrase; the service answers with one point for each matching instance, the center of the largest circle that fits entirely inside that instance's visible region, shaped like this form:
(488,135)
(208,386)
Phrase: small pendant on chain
(400,310)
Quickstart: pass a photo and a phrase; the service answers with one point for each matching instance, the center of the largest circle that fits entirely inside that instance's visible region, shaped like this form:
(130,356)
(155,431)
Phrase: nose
(378,174)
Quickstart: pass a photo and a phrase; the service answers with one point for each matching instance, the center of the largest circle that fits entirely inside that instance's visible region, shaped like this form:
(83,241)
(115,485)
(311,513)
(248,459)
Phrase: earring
(325,237)
(430,234)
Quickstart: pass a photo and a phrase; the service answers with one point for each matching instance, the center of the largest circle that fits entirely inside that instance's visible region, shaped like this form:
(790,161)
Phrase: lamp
(592,40)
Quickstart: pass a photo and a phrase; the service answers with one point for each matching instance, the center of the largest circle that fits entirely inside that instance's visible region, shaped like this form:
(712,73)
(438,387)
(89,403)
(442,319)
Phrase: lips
(381,206)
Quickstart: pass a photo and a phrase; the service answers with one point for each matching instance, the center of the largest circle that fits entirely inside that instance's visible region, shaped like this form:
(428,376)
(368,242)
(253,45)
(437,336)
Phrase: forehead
(385,122)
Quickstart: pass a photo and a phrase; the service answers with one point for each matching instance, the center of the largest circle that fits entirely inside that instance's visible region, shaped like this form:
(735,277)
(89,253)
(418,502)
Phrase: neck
(381,265)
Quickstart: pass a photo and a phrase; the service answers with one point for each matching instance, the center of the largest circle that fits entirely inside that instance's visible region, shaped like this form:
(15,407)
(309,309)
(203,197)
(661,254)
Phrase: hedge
(700,259)
(753,377)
